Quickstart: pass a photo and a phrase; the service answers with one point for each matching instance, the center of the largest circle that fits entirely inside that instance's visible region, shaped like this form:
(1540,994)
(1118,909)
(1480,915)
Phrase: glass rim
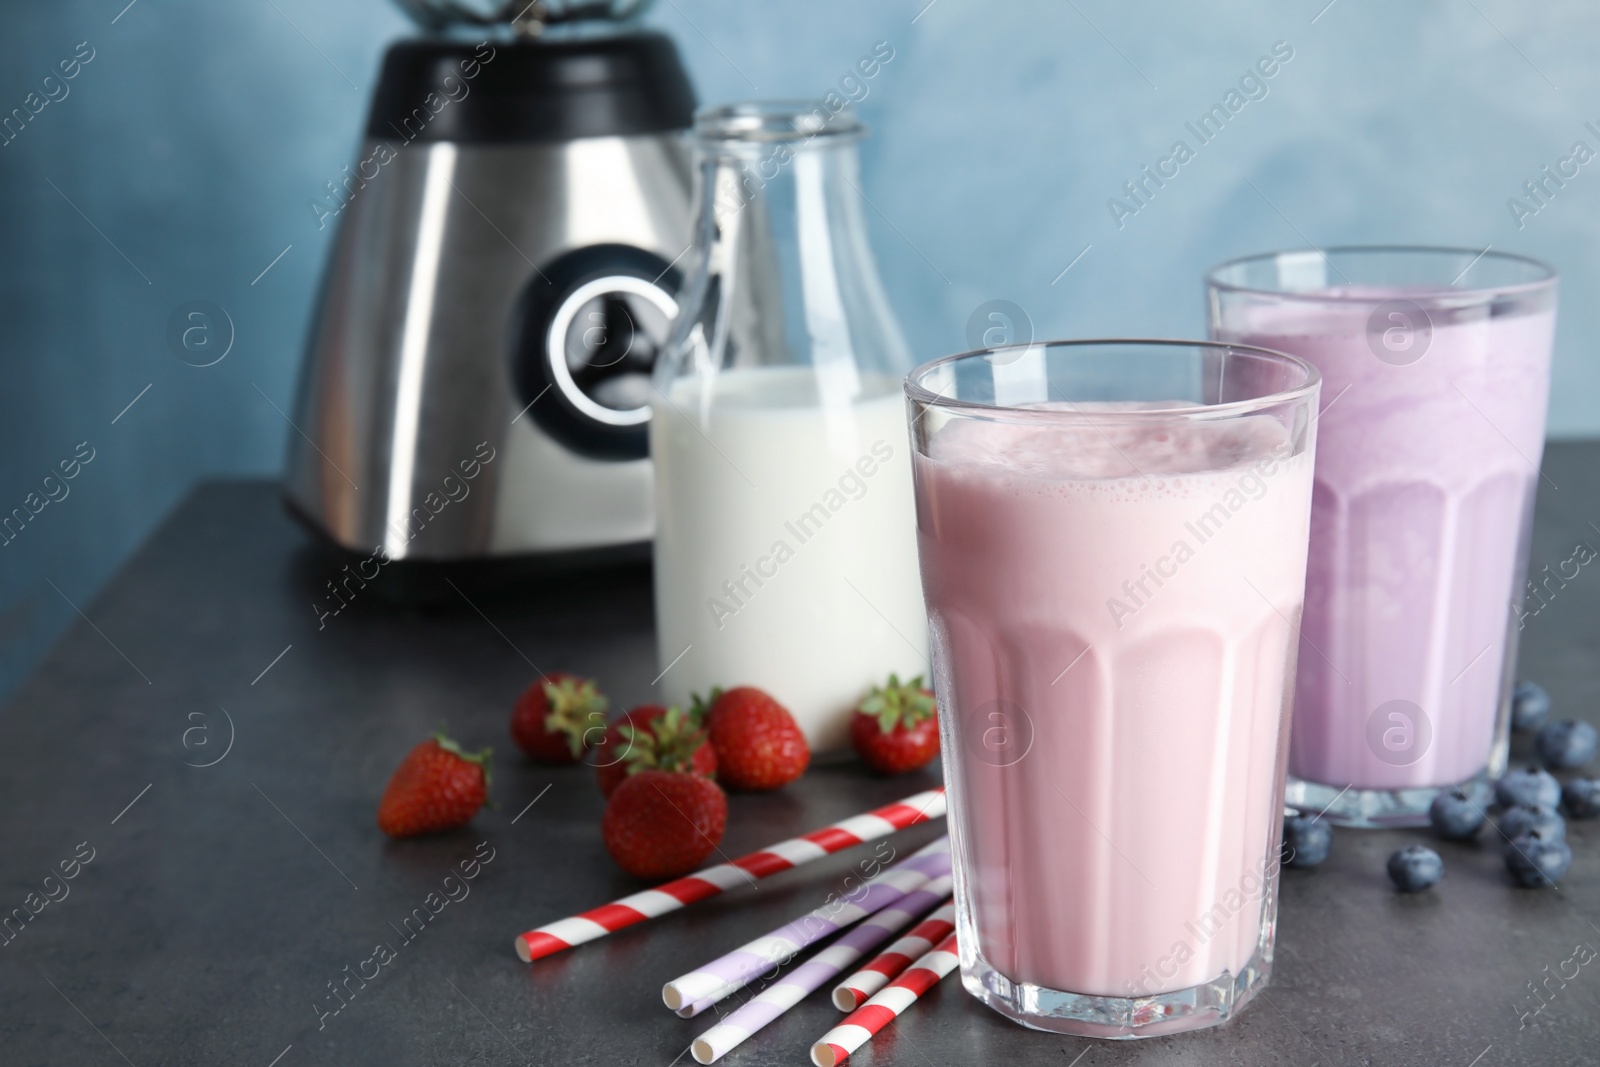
(915,390)
(1547,277)
(759,123)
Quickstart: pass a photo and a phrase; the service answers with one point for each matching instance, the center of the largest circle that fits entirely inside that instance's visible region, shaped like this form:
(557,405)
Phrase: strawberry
(436,787)
(896,728)
(661,824)
(557,717)
(652,736)
(758,744)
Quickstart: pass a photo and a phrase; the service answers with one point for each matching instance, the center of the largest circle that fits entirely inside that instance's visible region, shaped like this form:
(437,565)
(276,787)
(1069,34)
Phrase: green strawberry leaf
(575,705)
(669,743)
(898,704)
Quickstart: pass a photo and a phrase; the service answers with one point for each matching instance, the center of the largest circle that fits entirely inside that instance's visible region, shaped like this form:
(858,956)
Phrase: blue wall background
(181,161)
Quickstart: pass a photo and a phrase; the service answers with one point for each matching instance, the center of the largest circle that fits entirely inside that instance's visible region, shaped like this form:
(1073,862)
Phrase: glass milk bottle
(785,553)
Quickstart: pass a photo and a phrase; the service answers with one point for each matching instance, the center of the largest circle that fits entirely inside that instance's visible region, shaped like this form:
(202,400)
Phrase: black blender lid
(500,92)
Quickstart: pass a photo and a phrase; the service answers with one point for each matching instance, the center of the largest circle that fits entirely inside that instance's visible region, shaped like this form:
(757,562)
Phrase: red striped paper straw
(849,994)
(608,918)
(859,1026)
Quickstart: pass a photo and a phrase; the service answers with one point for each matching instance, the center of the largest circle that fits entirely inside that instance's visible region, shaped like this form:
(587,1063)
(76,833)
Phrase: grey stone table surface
(205,760)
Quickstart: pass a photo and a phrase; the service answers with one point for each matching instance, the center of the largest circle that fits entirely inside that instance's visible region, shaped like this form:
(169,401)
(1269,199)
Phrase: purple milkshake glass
(1436,373)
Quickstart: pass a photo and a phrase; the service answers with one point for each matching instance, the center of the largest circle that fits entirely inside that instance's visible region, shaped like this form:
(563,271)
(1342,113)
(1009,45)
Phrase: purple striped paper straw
(692,993)
(816,972)
(776,949)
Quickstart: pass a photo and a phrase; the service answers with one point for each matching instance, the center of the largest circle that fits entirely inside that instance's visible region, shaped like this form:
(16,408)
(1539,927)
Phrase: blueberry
(1530,704)
(1455,816)
(1565,744)
(1415,868)
(1529,787)
(1582,797)
(1534,861)
(1305,840)
(1516,821)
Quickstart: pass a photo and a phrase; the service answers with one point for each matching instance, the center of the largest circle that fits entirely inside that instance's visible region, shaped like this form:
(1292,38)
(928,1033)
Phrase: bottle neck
(782,257)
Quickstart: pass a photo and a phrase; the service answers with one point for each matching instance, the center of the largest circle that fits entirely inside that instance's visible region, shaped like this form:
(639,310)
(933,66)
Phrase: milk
(1113,615)
(785,553)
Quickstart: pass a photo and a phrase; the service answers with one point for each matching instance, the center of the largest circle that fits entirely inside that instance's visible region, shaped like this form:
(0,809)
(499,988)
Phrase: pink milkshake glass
(1437,370)
(1113,546)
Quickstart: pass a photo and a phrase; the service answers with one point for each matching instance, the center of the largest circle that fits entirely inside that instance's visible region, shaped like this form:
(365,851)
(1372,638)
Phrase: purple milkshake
(1436,368)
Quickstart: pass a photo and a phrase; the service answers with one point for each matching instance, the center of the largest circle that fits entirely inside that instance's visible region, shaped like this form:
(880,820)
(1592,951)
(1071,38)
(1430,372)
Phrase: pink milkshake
(1112,598)
(1425,479)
